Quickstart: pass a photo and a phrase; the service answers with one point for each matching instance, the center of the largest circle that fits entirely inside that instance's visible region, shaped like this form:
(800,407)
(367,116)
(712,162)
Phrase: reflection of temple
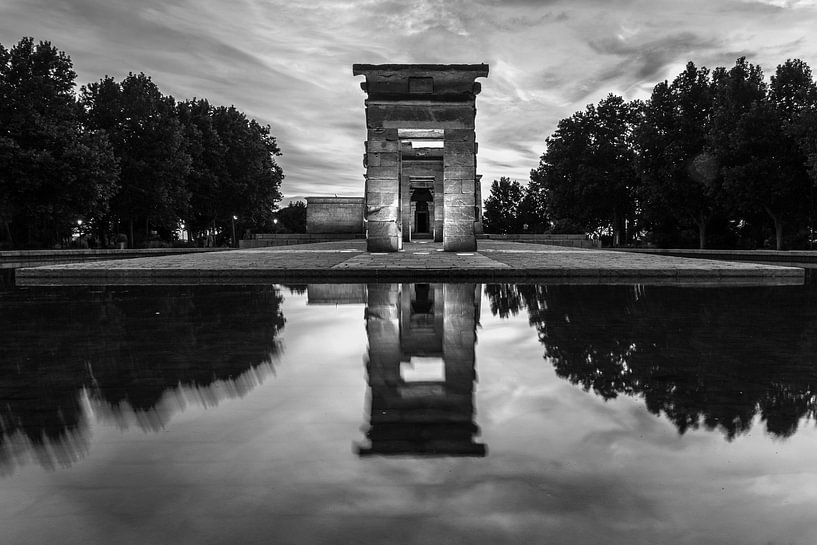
(421,369)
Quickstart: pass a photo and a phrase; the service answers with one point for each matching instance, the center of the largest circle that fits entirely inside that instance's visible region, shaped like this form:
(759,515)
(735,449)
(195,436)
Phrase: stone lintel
(362,69)
(437,82)
(421,134)
(395,116)
(423,154)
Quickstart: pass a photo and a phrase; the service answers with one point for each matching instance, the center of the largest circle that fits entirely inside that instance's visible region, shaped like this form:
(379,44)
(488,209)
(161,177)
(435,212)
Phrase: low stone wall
(572,241)
(799,258)
(17,259)
(334,215)
(262,240)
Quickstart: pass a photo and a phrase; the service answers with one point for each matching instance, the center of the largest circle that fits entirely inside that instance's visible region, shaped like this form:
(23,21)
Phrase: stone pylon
(412,109)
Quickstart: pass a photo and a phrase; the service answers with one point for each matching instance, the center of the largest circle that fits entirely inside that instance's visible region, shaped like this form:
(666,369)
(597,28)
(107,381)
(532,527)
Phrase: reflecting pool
(408,413)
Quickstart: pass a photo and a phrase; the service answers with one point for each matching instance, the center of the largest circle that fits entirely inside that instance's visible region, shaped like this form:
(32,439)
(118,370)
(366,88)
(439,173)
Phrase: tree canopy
(511,208)
(56,170)
(723,154)
(122,157)
(587,177)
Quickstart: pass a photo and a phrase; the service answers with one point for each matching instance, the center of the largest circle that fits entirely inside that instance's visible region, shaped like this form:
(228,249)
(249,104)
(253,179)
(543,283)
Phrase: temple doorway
(421,207)
(421,219)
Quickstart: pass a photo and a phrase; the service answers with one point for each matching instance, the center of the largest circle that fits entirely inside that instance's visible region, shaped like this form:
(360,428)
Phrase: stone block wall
(383,199)
(334,214)
(418,98)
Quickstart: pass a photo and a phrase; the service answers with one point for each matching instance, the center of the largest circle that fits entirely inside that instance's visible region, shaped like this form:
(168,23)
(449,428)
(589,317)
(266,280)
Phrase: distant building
(334,214)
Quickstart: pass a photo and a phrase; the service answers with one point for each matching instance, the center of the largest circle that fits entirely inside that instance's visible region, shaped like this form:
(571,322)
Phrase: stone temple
(420,154)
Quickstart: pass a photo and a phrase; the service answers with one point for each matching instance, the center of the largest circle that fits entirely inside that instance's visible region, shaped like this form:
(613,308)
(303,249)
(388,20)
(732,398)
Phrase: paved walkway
(347,261)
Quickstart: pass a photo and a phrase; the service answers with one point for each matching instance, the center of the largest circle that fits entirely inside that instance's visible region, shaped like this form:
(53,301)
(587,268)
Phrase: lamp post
(234,243)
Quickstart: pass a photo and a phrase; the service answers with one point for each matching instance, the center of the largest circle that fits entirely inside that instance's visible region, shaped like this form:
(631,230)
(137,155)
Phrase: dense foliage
(510,208)
(122,161)
(54,169)
(291,218)
(720,157)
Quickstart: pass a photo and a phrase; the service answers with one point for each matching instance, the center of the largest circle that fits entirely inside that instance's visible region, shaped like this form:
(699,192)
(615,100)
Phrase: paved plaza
(348,261)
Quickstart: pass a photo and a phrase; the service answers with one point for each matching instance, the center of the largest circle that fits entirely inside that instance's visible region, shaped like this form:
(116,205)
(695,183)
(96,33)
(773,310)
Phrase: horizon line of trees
(714,158)
(121,161)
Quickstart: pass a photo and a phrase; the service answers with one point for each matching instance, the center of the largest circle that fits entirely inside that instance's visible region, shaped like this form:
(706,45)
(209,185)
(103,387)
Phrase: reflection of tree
(126,350)
(717,357)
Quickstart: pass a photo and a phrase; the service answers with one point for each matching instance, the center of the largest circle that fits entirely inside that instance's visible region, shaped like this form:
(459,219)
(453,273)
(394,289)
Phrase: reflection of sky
(277,465)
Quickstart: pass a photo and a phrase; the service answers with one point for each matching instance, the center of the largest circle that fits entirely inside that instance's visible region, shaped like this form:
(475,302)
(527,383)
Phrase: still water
(408,413)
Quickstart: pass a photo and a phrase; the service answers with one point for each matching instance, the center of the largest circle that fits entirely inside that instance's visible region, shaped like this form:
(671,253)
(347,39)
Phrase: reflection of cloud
(289,63)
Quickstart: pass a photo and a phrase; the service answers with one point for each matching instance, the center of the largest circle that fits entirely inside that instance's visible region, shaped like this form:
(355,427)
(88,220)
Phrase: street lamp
(234,242)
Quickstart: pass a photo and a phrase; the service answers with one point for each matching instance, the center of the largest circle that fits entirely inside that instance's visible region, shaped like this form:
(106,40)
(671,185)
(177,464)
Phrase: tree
(502,206)
(587,176)
(207,154)
(55,169)
(678,173)
(762,165)
(249,178)
(149,143)
(292,218)
(794,94)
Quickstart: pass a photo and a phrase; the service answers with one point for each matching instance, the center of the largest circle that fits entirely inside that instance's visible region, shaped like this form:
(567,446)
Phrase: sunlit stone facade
(420,154)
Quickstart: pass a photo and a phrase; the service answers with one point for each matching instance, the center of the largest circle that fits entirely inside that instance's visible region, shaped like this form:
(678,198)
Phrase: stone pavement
(347,261)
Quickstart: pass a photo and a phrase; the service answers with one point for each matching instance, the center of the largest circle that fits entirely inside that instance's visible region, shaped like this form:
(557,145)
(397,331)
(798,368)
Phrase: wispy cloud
(288,63)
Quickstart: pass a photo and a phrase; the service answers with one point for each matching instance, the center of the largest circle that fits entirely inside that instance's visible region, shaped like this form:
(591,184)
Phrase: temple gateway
(420,154)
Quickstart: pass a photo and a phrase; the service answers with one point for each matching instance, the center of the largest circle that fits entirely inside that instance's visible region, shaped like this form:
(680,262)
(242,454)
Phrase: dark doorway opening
(421,219)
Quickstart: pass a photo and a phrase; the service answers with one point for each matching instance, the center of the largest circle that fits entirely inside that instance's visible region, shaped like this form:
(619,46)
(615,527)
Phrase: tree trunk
(701,223)
(130,227)
(616,230)
(9,236)
(778,229)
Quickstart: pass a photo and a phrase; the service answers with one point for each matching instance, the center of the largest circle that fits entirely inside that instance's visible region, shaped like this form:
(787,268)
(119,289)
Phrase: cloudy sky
(288,63)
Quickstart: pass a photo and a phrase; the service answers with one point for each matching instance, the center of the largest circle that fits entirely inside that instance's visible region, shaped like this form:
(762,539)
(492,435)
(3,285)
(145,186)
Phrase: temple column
(459,173)
(383,191)
(438,208)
